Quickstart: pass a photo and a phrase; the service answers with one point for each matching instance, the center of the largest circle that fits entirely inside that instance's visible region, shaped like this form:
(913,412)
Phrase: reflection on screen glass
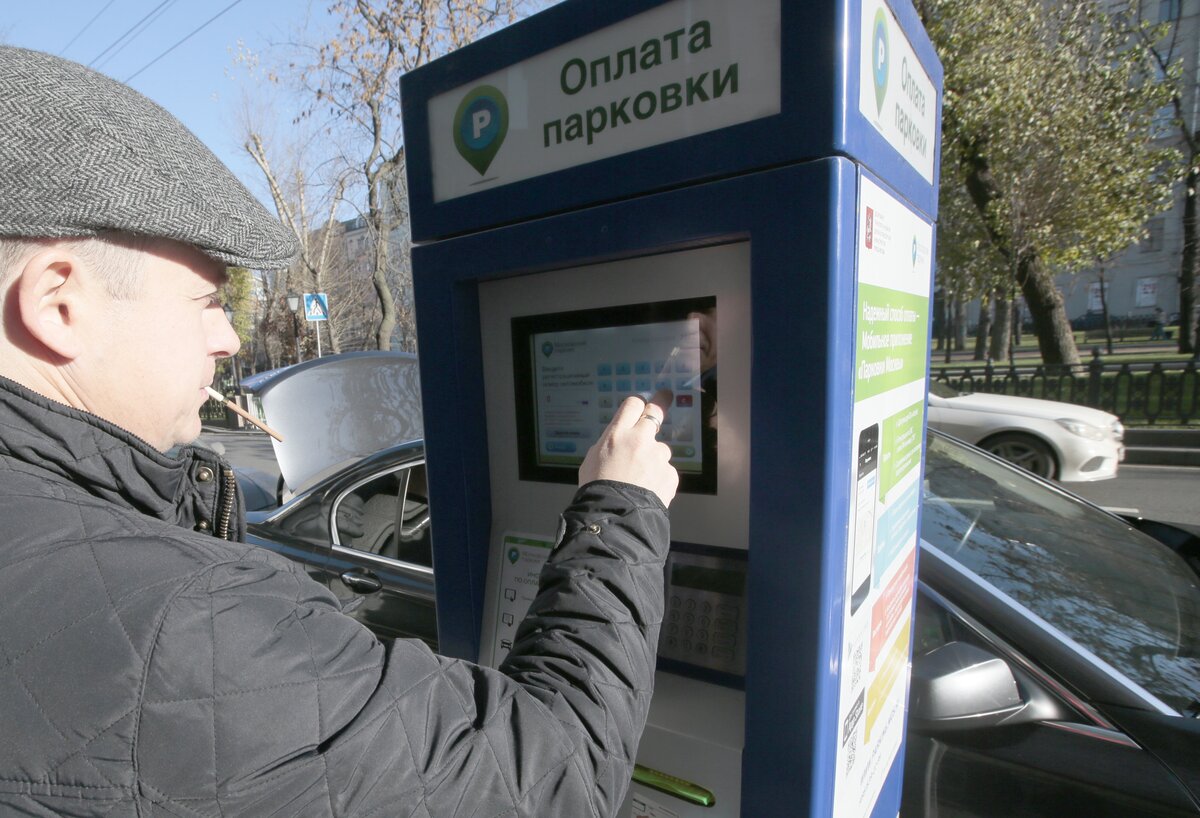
(574,369)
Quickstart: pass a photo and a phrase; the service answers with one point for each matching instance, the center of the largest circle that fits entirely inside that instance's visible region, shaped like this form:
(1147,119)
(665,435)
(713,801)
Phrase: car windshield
(1128,599)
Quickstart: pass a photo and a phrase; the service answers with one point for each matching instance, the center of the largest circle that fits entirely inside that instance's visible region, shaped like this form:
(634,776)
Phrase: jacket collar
(190,487)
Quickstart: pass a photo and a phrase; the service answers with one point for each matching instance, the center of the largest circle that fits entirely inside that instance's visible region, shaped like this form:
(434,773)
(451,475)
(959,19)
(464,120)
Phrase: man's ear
(51,300)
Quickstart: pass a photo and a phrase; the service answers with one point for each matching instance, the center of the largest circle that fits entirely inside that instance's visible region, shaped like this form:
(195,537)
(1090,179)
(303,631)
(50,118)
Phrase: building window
(1146,294)
(1163,124)
(1154,236)
(1168,10)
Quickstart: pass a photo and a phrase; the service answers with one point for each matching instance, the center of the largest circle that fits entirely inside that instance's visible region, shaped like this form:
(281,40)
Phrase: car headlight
(1078,427)
(1118,430)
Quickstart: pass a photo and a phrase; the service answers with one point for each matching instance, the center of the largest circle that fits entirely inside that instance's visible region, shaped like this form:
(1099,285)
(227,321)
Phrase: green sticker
(901,448)
(480,125)
(893,340)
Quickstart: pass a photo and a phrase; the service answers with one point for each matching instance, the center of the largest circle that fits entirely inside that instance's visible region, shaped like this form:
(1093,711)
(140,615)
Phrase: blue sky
(198,80)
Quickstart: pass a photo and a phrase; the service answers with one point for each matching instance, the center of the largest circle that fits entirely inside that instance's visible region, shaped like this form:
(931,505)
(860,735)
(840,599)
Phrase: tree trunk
(379,278)
(1056,342)
(1055,339)
(947,325)
(1001,325)
(960,324)
(1104,312)
(984,330)
(387,322)
(939,318)
(1189,327)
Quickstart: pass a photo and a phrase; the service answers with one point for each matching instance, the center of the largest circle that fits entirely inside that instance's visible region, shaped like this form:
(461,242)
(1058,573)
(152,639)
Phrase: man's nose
(223,338)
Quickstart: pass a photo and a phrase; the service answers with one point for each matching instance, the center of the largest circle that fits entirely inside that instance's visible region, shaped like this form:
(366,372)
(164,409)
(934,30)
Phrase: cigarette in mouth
(237,410)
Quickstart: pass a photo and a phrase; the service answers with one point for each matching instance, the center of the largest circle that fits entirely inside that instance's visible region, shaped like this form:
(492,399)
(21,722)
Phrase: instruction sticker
(894,271)
(522,558)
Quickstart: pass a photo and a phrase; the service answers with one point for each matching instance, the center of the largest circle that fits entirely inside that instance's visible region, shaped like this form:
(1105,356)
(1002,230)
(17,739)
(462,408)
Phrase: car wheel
(1026,451)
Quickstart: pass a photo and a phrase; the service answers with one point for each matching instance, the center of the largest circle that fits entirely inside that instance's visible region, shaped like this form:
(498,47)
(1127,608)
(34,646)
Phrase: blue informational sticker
(895,529)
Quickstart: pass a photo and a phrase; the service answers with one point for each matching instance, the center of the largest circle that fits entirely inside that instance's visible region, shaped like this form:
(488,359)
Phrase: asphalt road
(1167,493)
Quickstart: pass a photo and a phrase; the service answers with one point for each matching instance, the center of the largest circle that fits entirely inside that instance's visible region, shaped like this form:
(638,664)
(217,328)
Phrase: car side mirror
(959,686)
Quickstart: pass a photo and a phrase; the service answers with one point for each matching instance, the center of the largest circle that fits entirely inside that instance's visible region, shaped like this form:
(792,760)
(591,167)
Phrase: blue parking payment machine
(735,202)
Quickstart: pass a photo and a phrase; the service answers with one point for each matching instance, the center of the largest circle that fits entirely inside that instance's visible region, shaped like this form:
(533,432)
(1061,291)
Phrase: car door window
(1125,598)
(388,516)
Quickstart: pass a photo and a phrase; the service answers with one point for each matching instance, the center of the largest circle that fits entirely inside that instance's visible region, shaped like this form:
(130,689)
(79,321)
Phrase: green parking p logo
(480,125)
(879,57)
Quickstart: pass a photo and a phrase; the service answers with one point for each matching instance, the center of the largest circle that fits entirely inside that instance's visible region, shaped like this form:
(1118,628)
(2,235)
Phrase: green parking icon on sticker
(480,125)
(880,51)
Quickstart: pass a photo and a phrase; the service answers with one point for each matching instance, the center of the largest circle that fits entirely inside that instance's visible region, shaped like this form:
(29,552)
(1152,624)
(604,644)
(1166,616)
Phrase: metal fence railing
(215,415)
(1162,392)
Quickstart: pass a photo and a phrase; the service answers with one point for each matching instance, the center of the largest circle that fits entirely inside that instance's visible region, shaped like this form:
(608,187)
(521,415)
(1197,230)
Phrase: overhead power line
(192,33)
(126,34)
(86,26)
(141,28)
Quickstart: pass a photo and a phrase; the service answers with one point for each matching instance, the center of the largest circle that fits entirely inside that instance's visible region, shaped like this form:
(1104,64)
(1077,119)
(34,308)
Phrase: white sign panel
(894,93)
(684,68)
(1096,296)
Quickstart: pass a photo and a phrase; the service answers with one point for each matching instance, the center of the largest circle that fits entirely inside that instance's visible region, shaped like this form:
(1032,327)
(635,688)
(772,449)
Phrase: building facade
(1145,278)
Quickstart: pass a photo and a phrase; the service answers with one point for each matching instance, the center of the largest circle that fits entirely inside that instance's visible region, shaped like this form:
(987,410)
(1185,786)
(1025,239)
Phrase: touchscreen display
(573,369)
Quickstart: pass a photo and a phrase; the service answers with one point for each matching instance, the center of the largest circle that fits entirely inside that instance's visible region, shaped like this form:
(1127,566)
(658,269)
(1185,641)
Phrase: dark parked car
(1093,319)
(365,533)
(1056,665)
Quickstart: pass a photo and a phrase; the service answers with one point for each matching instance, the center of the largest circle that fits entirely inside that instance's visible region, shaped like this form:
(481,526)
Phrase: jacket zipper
(228,498)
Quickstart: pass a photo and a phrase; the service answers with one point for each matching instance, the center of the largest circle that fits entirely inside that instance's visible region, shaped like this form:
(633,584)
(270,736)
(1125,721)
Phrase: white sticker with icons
(522,557)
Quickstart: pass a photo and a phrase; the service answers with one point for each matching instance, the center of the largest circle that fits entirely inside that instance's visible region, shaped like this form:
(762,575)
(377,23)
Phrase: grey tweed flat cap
(82,154)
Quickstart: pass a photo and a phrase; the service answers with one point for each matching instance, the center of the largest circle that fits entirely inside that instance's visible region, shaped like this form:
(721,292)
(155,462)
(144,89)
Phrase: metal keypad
(703,626)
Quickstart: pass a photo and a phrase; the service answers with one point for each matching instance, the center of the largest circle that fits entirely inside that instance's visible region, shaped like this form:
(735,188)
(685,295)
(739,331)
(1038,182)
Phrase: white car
(1061,441)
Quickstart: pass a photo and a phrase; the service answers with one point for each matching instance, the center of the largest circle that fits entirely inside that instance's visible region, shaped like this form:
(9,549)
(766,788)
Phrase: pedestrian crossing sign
(316,307)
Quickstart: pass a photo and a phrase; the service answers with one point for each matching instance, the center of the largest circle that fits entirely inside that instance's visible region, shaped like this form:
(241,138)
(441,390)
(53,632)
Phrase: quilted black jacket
(148,667)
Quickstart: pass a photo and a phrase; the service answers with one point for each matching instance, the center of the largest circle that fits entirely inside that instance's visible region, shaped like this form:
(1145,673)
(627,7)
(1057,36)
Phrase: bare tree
(353,79)
(318,248)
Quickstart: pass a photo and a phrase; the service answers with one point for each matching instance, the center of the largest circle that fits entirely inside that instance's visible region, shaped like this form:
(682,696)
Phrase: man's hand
(628,452)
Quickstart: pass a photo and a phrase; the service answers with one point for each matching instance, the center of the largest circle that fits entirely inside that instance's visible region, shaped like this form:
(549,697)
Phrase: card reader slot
(678,787)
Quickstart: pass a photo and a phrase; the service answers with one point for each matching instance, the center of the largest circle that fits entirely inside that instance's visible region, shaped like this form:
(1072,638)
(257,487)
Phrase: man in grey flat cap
(151,663)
